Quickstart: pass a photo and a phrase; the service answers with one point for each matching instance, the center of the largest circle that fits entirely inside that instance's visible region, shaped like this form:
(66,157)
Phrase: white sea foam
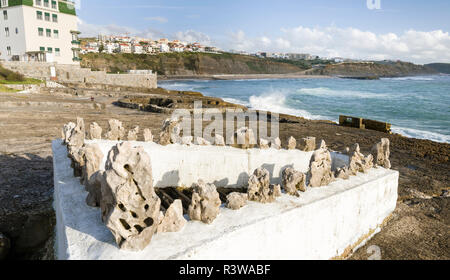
(275,101)
(325,92)
(421,134)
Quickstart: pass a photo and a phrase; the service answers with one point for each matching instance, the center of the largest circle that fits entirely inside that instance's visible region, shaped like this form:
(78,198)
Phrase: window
(48,32)
(54,5)
(42,49)
(57,52)
(5,15)
(38,2)
(56,34)
(4,3)
(47,16)
(39,15)
(55,18)
(50,50)
(7,31)
(17,30)
(8,49)
(46,3)
(41,31)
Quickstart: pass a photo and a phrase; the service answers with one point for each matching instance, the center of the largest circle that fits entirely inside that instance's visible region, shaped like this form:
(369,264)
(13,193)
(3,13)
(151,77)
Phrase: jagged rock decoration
(95,131)
(259,188)
(219,140)
(236,200)
(133,133)
(382,152)
(308,144)
(276,190)
(187,140)
(263,144)
(205,203)
(359,163)
(92,176)
(293,181)
(320,167)
(75,143)
(67,131)
(276,143)
(129,204)
(170,132)
(202,141)
(343,173)
(245,138)
(148,136)
(173,220)
(116,131)
(292,143)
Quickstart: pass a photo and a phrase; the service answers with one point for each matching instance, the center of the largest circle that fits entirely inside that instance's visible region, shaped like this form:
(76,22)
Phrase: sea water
(417,107)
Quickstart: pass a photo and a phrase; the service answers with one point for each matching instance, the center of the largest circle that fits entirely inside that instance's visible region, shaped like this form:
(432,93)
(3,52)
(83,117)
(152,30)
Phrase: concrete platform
(323,223)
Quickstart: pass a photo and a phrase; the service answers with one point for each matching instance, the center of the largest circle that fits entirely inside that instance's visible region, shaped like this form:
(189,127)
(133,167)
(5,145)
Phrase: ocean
(417,107)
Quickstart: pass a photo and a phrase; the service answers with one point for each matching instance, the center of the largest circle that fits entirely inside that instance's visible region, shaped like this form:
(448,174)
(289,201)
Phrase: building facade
(39,30)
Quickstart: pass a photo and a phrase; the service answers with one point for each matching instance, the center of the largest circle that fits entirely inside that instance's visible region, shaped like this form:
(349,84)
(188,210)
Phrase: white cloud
(192,36)
(158,19)
(332,41)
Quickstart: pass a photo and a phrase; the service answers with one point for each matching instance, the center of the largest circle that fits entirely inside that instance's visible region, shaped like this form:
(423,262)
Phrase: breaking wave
(421,134)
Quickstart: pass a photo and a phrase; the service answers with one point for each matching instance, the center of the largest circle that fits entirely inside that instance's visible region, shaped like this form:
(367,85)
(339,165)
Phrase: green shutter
(41,29)
(42,49)
(57,50)
(49,50)
(67,8)
(39,13)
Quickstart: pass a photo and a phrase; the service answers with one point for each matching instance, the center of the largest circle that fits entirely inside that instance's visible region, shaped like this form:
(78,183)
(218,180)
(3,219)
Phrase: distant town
(113,44)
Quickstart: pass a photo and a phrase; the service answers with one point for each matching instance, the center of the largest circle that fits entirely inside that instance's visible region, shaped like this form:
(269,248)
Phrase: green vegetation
(11,77)
(5,89)
(67,8)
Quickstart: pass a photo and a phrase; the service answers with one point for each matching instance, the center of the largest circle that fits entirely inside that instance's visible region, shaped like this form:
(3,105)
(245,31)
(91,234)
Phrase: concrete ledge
(322,224)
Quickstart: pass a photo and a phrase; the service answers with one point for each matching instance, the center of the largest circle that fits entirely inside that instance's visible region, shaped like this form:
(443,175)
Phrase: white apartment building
(39,30)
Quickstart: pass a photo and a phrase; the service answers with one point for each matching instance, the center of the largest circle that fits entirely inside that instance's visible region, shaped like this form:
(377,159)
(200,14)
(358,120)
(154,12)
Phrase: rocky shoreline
(418,229)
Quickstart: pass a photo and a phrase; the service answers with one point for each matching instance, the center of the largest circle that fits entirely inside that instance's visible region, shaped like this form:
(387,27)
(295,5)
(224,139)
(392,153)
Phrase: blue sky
(270,25)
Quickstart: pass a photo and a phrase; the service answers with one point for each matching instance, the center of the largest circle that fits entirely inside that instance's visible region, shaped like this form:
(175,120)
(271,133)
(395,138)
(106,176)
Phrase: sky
(410,30)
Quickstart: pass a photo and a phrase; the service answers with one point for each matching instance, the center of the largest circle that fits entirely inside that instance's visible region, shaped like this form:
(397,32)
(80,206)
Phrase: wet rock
(170,132)
(92,176)
(276,143)
(263,143)
(259,188)
(382,152)
(245,138)
(173,220)
(116,131)
(320,167)
(95,131)
(293,181)
(129,204)
(133,134)
(67,131)
(358,162)
(5,246)
(292,143)
(236,200)
(205,203)
(148,136)
(219,140)
(308,144)
(202,142)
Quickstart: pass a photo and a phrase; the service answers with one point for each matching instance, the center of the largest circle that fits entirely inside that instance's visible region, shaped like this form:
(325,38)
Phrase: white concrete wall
(321,224)
(15,41)
(178,165)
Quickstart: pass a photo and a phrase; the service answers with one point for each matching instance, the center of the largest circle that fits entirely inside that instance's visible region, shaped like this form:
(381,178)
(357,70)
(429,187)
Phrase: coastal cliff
(373,69)
(188,64)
